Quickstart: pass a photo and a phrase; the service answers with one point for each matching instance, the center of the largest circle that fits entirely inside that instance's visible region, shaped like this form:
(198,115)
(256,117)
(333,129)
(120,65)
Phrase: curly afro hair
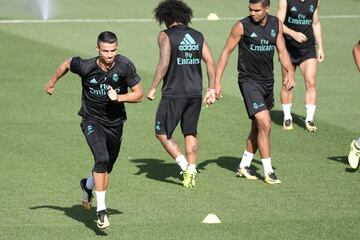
(173,11)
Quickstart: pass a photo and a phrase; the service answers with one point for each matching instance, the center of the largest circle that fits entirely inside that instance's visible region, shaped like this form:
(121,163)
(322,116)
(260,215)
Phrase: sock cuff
(310,105)
(180,158)
(249,154)
(192,167)
(100,192)
(357,143)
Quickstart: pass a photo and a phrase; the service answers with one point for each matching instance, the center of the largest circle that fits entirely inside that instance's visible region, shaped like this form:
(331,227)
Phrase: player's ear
(97,48)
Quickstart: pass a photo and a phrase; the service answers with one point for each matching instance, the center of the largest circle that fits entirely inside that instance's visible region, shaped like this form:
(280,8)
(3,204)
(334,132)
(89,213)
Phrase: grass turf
(44,155)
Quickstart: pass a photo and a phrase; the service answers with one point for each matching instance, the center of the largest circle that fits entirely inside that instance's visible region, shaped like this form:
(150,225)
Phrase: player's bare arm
(317,34)
(281,14)
(210,64)
(210,67)
(135,96)
(289,80)
(356,54)
(59,72)
(234,37)
(162,67)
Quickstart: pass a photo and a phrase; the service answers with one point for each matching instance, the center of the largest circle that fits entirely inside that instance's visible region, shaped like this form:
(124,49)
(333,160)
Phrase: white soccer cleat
(287,124)
(102,219)
(310,126)
(354,155)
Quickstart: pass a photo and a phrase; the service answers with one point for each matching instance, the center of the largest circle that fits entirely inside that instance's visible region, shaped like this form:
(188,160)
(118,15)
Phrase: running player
(105,81)
(354,153)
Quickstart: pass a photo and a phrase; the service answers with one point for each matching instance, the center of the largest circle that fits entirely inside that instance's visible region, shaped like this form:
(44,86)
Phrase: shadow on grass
(229,163)
(158,170)
(79,214)
(344,160)
(277,117)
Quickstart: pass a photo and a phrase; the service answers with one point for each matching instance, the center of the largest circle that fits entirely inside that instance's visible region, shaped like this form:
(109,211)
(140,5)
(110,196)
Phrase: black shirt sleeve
(75,65)
(132,78)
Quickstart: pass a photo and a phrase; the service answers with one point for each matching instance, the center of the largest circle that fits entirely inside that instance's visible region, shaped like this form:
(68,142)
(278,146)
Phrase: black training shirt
(95,104)
(299,17)
(184,75)
(256,49)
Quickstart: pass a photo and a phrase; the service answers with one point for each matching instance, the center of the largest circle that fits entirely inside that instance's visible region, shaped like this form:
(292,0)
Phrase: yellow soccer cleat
(354,155)
(272,179)
(189,178)
(247,173)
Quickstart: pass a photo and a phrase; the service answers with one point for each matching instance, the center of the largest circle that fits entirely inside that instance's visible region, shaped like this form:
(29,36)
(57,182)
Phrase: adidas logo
(253,35)
(293,9)
(93,81)
(188,44)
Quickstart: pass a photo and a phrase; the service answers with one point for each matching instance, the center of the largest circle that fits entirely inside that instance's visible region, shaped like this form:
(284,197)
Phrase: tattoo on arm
(164,58)
(165,51)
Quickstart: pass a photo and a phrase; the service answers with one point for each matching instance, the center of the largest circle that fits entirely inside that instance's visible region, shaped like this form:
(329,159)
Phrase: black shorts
(257,95)
(103,141)
(300,55)
(171,111)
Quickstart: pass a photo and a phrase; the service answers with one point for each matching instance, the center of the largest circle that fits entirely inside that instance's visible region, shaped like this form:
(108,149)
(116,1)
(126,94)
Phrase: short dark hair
(171,11)
(264,3)
(107,37)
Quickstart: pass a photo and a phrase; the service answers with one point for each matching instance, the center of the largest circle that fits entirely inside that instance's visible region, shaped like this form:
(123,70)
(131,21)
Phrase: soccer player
(356,54)
(301,30)
(181,50)
(257,36)
(354,153)
(105,81)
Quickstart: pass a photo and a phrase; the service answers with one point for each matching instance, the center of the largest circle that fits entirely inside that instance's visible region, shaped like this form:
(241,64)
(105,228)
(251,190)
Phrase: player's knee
(311,88)
(101,167)
(111,163)
(310,84)
(110,167)
(265,126)
(160,136)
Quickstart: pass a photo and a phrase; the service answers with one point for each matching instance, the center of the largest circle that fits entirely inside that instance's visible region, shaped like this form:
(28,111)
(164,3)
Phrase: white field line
(141,20)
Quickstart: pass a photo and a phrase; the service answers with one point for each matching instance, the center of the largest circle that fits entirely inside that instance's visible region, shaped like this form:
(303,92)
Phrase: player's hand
(289,81)
(299,37)
(49,88)
(151,94)
(218,91)
(320,56)
(210,97)
(112,94)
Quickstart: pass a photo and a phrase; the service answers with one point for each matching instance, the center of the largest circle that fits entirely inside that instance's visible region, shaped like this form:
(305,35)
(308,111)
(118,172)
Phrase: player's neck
(263,21)
(175,24)
(104,66)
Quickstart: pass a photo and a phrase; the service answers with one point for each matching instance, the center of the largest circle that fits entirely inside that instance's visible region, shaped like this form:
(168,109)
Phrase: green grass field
(43,153)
